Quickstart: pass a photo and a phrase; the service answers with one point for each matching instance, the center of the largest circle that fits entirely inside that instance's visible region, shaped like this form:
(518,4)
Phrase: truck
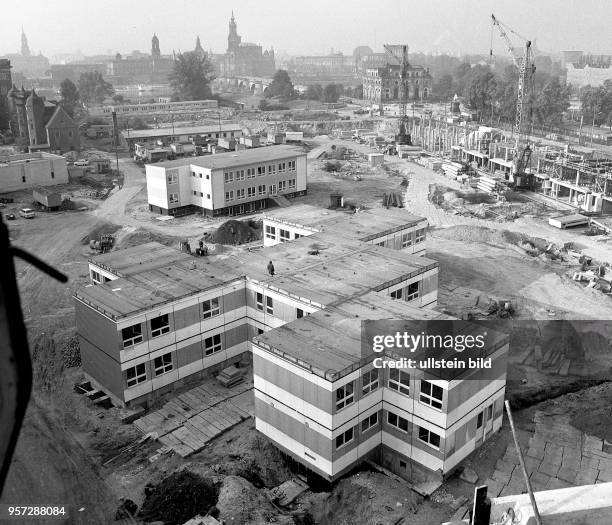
(50,200)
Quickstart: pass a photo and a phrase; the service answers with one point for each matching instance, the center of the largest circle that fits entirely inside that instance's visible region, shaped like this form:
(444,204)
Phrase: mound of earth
(235,232)
(178,498)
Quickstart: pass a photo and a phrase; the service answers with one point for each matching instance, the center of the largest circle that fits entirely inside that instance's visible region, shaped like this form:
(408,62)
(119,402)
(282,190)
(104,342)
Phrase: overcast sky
(302,26)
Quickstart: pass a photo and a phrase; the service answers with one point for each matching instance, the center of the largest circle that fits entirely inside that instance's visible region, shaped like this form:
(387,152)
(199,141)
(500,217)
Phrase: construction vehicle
(400,54)
(519,176)
(105,244)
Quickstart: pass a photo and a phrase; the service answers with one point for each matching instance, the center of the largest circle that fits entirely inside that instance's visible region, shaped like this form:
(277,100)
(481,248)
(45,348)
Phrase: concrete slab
(549,468)
(501,477)
(567,474)
(587,476)
(556,483)
(505,466)
(536,452)
(539,481)
(589,463)
(605,475)
(494,487)
(531,464)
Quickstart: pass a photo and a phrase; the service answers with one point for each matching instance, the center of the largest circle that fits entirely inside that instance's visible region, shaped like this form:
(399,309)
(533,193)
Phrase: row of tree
(494,95)
(596,103)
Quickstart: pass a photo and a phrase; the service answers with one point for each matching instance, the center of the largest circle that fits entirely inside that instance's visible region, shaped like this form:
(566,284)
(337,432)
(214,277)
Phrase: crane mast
(525,69)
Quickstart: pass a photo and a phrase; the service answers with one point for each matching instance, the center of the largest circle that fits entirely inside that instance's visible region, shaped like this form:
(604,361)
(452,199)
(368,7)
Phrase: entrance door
(273,190)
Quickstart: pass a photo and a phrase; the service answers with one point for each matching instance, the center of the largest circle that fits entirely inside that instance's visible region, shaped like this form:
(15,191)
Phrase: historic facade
(244,59)
(141,68)
(382,84)
(27,63)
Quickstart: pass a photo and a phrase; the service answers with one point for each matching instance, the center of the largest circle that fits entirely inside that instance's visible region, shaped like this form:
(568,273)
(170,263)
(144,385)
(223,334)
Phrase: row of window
(410,293)
(266,304)
(259,171)
(424,435)
(164,363)
(399,380)
(132,335)
(249,193)
(283,235)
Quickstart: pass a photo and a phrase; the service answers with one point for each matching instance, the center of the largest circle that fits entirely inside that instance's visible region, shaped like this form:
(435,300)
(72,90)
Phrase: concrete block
(539,481)
(556,483)
(549,468)
(593,443)
(568,475)
(553,449)
(536,452)
(469,475)
(587,476)
(500,476)
(589,463)
(505,466)
(532,464)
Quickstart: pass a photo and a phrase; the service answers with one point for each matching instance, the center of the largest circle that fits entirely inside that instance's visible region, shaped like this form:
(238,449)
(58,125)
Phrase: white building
(226,183)
(27,170)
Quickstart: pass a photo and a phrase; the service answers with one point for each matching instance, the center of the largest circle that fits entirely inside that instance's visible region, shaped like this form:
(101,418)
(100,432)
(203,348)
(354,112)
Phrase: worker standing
(270,268)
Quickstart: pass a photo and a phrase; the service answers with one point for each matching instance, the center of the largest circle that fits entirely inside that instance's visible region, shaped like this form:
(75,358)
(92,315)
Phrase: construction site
(197,344)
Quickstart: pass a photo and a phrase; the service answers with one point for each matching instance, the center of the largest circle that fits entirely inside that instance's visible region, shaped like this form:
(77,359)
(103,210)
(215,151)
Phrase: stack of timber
(230,376)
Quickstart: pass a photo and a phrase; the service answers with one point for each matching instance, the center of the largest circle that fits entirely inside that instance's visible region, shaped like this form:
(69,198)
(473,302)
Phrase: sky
(303,27)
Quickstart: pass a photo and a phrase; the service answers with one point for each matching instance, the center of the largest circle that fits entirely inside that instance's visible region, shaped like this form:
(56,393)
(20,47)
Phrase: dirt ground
(66,440)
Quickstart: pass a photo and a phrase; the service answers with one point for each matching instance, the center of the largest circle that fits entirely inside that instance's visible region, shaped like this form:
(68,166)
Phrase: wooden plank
(178,409)
(229,420)
(210,418)
(230,410)
(203,427)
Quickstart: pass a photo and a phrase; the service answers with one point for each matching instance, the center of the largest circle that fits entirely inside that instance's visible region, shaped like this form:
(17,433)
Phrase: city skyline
(441,25)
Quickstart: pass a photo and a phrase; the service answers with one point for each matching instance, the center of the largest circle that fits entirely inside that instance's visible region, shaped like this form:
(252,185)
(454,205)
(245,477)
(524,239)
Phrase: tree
(281,86)
(314,92)
(480,89)
(69,96)
(93,87)
(191,76)
(332,92)
(444,86)
(551,103)
(358,91)
(137,123)
(460,76)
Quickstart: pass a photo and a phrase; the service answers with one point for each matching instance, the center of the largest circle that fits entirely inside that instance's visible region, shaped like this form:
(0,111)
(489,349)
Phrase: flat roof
(364,225)
(236,158)
(188,130)
(328,342)
(139,258)
(144,290)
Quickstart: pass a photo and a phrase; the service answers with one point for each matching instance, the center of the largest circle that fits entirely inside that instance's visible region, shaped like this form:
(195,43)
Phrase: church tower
(233,39)
(25,49)
(155,52)
(199,50)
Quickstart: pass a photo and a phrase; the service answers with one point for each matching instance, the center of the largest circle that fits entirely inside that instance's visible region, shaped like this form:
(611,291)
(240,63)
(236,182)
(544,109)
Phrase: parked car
(27,213)
(81,163)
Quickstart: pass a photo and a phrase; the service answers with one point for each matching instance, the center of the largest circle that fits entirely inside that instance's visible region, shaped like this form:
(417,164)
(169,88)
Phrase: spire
(25,49)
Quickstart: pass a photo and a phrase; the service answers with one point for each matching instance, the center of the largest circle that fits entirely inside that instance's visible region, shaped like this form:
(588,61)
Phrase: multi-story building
(401,230)
(382,84)
(27,63)
(153,317)
(226,183)
(183,135)
(28,170)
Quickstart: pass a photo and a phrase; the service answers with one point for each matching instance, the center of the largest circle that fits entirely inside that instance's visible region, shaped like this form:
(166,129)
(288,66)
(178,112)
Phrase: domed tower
(35,111)
(155,52)
(233,39)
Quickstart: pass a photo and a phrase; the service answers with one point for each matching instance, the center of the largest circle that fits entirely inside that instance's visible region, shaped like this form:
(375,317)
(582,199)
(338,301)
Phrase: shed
(376,159)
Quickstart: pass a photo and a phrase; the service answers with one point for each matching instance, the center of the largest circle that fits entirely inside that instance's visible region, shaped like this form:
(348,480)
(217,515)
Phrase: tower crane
(400,54)
(526,70)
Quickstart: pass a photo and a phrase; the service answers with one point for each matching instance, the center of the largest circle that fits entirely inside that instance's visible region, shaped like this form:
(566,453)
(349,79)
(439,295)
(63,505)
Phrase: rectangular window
(229,176)
(250,173)
(281,167)
(369,422)
(270,232)
(369,381)
(229,196)
(201,194)
(396,294)
(489,412)
(291,183)
(282,185)
(406,239)
(240,193)
(262,189)
(420,236)
(23,179)
(52,174)
(259,301)
(412,292)
(210,308)
(251,192)
(479,419)
(345,395)
(172,178)
(344,438)
(284,235)
(398,422)
(240,175)
(269,306)
(162,364)
(261,170)
(399,381)
(299,313)
(291,164)
(135,375)
(160,325)
(173,198)
(95,277)
(431,394)
(296,236)
(212,345)
(195,192)
(193,174)
(429,437)
(131,335)
(208,196)
(272,169)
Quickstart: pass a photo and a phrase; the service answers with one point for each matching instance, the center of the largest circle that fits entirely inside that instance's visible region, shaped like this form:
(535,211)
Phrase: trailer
(48,199)
(294,136)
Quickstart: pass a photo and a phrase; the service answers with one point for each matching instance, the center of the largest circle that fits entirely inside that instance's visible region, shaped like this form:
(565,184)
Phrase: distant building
(190,134)
(74,70)
(587,70)
(26,63)
(141,67)
(5,86)
(226,183)
(244,59)
(324,65)
(39,124)
(382,84)
(28,170)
